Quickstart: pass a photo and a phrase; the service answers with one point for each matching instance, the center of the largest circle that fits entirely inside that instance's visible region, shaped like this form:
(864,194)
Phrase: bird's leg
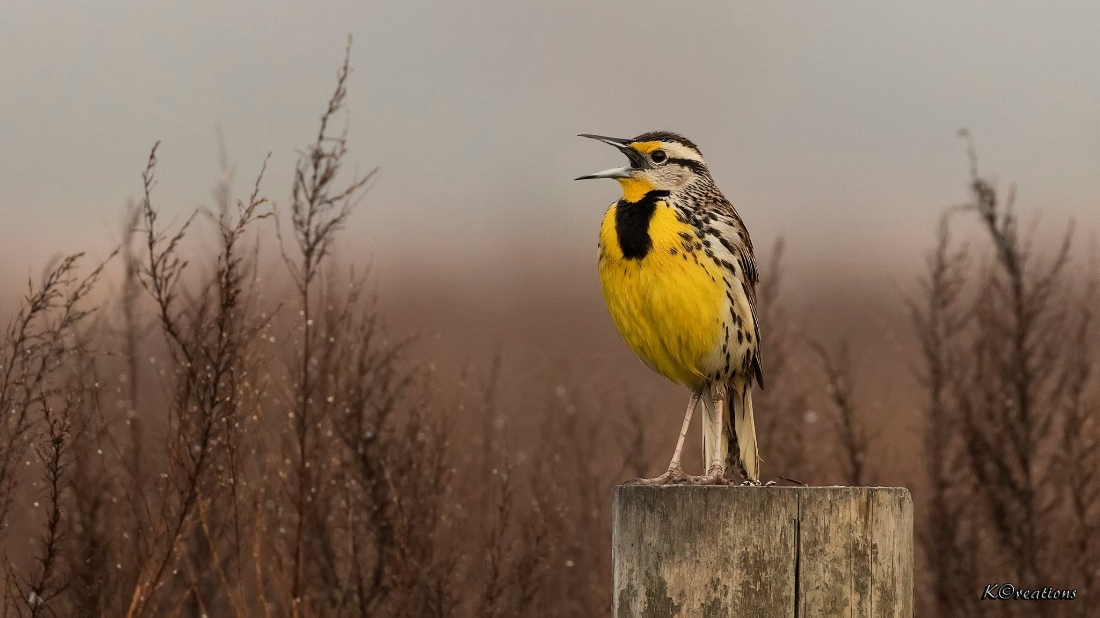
(716,474)
(693,403)
(675,472)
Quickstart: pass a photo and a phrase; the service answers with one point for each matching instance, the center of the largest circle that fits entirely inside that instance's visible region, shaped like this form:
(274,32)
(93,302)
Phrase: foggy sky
(832,124)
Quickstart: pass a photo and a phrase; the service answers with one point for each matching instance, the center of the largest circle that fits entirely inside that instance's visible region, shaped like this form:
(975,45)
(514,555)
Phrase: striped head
(659,161)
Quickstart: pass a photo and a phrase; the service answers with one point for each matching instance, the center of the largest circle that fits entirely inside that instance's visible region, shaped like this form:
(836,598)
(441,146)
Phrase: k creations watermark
(1009,592)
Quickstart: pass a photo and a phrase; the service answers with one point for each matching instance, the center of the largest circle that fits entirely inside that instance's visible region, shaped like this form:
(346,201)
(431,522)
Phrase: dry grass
(1010,444)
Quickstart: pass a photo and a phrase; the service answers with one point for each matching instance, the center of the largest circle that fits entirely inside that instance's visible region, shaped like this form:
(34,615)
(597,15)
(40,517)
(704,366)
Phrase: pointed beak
(615,172)
(617,142)
(623,146)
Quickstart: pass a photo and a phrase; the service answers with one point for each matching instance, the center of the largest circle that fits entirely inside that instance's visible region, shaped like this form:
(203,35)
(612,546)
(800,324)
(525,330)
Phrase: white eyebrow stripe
(679,151)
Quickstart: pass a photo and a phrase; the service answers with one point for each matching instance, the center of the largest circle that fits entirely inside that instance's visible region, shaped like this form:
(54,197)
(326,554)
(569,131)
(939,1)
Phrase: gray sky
(830,123)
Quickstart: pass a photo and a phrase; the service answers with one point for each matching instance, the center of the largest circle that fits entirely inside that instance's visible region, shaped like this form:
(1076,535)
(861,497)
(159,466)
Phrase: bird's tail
(743,429)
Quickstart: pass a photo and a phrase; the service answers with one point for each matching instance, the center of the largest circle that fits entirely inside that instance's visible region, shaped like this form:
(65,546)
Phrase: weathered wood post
(762,552)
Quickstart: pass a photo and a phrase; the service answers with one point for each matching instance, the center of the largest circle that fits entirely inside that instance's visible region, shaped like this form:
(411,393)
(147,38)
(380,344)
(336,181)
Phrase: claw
(715,476)
(674,476)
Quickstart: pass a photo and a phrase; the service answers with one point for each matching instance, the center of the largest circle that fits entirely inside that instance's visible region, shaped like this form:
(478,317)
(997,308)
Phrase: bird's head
(659,161)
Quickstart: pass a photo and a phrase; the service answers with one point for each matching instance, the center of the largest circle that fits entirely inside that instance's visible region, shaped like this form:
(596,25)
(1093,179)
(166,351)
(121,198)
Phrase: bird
(679,278)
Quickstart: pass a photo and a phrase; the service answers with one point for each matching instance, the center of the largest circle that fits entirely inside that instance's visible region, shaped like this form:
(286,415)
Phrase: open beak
(616,172)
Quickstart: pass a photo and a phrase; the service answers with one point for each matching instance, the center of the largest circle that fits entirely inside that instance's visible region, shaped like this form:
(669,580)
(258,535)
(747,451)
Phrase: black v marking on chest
(632,224)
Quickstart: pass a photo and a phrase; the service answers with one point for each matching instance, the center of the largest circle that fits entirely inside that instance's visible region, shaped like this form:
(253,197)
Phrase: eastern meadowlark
(679,277)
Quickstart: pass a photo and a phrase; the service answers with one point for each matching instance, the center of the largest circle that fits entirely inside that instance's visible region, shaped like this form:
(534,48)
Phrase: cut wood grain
(762,552)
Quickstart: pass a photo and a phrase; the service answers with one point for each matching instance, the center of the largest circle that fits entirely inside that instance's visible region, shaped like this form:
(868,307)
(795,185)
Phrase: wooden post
(762,552)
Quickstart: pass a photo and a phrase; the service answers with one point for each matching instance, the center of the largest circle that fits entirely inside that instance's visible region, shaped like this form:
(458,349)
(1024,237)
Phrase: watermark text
(1009,592)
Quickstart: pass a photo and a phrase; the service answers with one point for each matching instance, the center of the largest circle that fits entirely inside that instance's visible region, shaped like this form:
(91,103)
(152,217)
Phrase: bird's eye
(658,156)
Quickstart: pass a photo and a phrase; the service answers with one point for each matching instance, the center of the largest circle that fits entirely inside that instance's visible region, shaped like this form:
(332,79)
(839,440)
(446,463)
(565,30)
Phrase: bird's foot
(754,483)
(674,476)
(715,476)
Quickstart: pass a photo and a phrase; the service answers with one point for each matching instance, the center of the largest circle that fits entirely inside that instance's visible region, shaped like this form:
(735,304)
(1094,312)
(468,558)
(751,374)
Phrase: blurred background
(834,129)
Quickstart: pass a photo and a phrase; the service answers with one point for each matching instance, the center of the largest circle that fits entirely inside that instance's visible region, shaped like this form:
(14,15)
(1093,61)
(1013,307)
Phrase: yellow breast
(668,305)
